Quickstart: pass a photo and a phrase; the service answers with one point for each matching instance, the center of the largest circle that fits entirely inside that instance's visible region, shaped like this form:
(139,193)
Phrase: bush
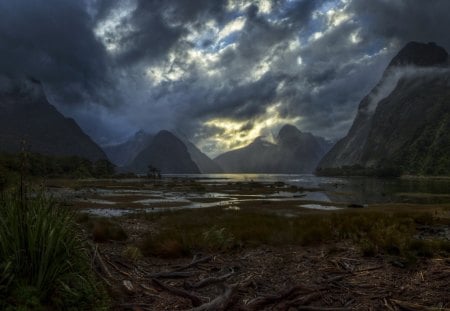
(42,258)
(104,230)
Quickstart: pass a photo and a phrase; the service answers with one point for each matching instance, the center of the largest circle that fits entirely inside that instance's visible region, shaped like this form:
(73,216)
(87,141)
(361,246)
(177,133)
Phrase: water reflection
(361,190)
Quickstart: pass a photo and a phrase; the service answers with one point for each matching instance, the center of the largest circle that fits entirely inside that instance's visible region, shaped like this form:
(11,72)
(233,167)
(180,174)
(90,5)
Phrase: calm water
(313,192)
(359,190)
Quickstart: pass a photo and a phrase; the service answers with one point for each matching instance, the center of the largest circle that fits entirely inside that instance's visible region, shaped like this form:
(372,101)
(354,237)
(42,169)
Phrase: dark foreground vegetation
(250,255)
(38,165)
(44,263)
(217,259)
(185,233)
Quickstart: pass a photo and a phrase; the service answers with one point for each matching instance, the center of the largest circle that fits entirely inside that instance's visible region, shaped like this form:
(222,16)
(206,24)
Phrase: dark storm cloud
(53,42)
(108,69)
(259,41)
(158,25)
(405,20)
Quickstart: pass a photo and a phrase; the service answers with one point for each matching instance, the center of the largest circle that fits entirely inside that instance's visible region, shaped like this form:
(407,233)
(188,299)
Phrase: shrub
(105,229)
(42,258)
(217,238)
(132,252)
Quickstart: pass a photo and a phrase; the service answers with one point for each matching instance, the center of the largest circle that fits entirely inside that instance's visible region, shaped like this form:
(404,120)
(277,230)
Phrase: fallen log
(117,268)
(171,275)
(260,302)
(409,306)
(219,303)
(196,301)
(313,308)
(208,281)
(194,262)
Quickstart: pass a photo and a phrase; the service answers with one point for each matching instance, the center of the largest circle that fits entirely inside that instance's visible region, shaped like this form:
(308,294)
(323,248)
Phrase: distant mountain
(167,153)
(204,163)
(403,124)
(258,157)
(123,154)
(26,114)
(293,152)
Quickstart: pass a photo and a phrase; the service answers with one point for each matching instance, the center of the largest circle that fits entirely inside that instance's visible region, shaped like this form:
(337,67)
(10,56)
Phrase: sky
(221,72)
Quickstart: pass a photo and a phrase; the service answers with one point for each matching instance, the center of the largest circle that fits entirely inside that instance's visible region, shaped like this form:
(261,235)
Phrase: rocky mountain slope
(26,115)
(167,153)
(122,154)
(403,124)
(204,163)
(293,152)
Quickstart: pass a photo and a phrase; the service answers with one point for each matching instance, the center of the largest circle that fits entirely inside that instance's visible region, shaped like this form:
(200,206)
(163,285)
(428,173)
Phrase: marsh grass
(391,233)
(104,230)
(43,262)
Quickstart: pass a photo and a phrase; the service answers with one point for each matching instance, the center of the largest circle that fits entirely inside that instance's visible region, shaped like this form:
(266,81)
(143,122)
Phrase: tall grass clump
(43,262)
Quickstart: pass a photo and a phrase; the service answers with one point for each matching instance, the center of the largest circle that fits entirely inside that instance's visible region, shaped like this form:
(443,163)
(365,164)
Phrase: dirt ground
(332,276)
(325,277)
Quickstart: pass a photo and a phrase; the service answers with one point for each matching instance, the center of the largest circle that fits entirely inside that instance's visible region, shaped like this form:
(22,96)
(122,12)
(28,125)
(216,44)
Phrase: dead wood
(98,258)
(148,291)
(209,281)
(117,268)
(219,303)
(336,278)
(171,275)
(196,301)
(195,261)
(388,305)
(260,302)
(369,269)
(303,300)
(135,306)
(313,308)
(409,306)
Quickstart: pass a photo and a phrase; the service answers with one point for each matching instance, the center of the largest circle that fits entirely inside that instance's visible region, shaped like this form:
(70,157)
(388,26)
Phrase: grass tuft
(42,258)
(104,230)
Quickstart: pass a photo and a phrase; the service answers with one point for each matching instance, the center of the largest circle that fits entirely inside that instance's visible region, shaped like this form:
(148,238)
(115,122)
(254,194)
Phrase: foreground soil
(325,277)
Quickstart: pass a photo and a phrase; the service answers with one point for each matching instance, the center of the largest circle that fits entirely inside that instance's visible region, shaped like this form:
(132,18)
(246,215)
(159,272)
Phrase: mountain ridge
(167,153)
(396,132)
(27,116)
(293,152)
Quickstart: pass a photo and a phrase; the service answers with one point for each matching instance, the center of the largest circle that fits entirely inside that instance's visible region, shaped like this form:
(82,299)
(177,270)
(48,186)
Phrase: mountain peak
(167,153)
(261,142)
(288,130)
(420,54)
(140,133)
(167,134)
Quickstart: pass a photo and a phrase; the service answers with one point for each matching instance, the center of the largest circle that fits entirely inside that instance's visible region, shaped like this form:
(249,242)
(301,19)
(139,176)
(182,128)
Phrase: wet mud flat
(262,273)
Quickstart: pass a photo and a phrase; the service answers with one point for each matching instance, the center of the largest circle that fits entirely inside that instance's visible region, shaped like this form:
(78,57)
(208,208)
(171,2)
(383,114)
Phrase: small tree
(153,172)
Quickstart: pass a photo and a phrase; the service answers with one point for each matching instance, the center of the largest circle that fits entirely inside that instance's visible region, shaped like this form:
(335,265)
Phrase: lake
(360,190)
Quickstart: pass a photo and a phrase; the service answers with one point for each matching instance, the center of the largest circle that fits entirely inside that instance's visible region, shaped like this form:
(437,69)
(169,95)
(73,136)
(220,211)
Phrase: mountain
(167,153)
(293,152)
(300,152)
(257,157)
(26,115)
(403,124)
(204,163)
(123,154)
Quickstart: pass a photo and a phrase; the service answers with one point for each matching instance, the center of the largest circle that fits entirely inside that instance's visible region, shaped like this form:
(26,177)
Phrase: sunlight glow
(233,134)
